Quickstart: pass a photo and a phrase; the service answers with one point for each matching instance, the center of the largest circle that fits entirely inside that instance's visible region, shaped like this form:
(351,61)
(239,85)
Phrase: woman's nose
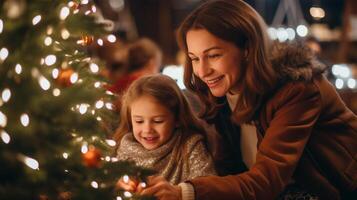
(202,69)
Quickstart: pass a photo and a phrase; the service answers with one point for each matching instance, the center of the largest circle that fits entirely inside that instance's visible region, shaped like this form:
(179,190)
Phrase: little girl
(158,130)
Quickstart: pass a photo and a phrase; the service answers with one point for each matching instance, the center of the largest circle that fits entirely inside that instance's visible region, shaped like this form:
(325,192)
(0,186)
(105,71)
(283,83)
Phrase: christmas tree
(55,114)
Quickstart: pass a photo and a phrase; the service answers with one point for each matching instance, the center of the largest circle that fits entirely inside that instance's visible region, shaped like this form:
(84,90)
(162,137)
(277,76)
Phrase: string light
(83,108)
(107,158)
(111,38)
(48,41)
(6,95)
(351,83)
(119,198)
(49,30)
(94,9)
(64,13)
(36,20)
(111,143)
(44,83)
(18,69)
(126,179)
(32,163)
(87,12)
(65,155)
(5,137)
(56,92)
(99,104)
(55,73)
(143,184)
(97,84)
(3,119)
(50,60)
(302,30)
(99,119)
(94,68)
(94,184)
(25,120)
(74,78)
(100,42)
(127,194)
(84,148)
(109,106)
(3,53)
(1,25)
(65,34)
(84,2)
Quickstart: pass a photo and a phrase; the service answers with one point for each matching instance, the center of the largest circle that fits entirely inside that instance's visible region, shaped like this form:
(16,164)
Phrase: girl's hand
(160,188)
(127,184)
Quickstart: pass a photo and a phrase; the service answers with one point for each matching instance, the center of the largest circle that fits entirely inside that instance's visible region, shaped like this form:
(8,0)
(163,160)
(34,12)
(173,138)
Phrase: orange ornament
(64,77)
(86,40)
(92,158)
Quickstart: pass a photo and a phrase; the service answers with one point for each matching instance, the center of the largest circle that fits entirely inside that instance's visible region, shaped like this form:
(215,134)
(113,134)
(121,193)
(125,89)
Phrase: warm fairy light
(5,137)
(109,92)
(351,83)
(111,38)
(3,119)
(84,2)
(65,155)
(6,94)
(35,73)
(84,148)
(36,20)
(302,30)
(109,106)
(99,119)
(74,78)
(65,34)
(94,184)
(97,84)
(111,142)
(93,112)
(119,198)
(32,163)
(317,12)
(107,158)
(4,53)
(56,92)
(48,41)
(126,179)
(42,61)
(1,25)
(94,68)
(44,83)
(94,9)
(143,184)
(114,159)
(64,13)
(88,12)
(71,4)
(25,120)
(83,108)
(50,60)
(55,73)
(99,104)
(291,33)
(339,83)
(49,30)
(128,194)
(100,42)
(18,69)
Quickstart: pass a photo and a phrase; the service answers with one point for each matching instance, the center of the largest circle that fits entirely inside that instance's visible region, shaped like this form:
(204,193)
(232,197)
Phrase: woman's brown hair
(236,22)
(167,93)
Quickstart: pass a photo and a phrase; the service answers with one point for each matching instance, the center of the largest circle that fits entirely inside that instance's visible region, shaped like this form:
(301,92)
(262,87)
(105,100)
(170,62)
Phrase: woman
(307,137)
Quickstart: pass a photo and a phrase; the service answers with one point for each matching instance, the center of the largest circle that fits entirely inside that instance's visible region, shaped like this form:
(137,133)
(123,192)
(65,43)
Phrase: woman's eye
(194,59)
(214,56)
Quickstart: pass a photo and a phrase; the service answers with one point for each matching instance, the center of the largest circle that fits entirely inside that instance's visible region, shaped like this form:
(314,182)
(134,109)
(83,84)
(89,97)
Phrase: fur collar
(294,61)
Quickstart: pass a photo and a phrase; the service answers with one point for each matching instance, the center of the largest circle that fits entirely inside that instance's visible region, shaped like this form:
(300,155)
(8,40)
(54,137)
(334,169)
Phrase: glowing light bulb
(18,69)
(339,83)
(50,60)
(4,53)
(94,9)
(83,108)
(111,142)
(32,163)
(97,84)
(84,148)
(3,119)
(6,95)
(143,184)
(64,13)
(48,41)
(55,73)
(36,20)
(128,194)
(44,83)
(74,78)
(65,155)
(302,30)
(5,137)
(65,34)
(126,179)
(56,92)
(100,42)
(94,184)
(25,120)
(94,68)
(109,106)
(119,198)
(99,104)
(84,1)
(111,38)
(1,25)
(351,83)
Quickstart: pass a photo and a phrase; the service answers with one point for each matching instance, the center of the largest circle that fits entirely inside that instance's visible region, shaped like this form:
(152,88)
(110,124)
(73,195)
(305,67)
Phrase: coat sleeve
(296,108)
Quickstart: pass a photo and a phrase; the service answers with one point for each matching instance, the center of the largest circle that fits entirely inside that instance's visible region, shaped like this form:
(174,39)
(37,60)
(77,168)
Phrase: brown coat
(307,134)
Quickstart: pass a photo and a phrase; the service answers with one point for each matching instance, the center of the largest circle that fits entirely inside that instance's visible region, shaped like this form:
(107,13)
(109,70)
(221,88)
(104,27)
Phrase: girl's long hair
(167,93)
(237,22)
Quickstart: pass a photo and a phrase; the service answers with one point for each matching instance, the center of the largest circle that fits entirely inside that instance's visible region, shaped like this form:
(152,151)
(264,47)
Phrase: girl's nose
(147,127)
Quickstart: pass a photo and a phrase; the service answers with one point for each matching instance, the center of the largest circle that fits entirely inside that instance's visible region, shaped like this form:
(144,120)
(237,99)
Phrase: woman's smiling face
(215,61)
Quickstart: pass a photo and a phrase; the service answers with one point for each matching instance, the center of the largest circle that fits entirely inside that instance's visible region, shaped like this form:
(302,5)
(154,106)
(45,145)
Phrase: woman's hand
(160,188)
(127,184)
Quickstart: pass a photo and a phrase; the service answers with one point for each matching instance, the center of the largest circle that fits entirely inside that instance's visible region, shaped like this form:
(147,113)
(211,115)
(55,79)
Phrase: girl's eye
(158,121)
(139,121)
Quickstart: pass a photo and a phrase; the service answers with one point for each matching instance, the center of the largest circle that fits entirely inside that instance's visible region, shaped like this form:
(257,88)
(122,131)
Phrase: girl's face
(153,124)
(215,61)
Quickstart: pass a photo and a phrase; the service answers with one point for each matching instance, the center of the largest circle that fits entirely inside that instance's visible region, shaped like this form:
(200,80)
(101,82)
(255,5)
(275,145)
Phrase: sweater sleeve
(296,109)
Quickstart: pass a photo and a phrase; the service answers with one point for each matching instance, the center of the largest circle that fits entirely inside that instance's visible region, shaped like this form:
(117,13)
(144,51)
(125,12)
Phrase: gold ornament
(64,77)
